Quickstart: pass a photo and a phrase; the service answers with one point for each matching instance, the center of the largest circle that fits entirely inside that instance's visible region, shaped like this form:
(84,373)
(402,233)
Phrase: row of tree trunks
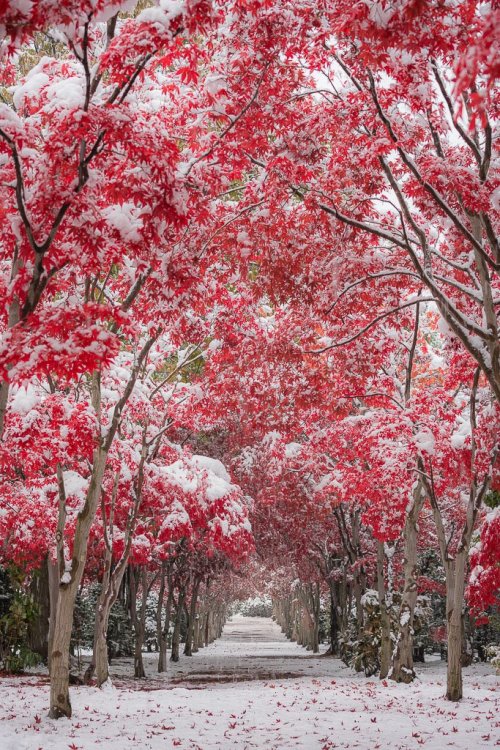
(140,577)
(298,615)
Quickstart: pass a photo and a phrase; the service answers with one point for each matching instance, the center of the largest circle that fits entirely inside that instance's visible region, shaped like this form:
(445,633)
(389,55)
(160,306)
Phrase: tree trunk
(60,704)
(139,671)
(334,621)
(177,627)
(14,316)
(163,644)
(53,573)
(197,630)
(162,647)
(207,629)
(385,620)
(139,620)
(402,657)
(455,588)
(188,648)
(316,600)
(101,652)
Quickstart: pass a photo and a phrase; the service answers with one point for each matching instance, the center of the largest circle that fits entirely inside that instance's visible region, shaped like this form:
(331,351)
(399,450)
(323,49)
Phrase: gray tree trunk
(188,647)
(402,657)
(60,704)
(177,627)
(385,620)
(163,633)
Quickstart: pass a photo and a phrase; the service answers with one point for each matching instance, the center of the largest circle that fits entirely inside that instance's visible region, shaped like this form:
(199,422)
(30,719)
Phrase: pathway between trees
(252,689)
(251,648)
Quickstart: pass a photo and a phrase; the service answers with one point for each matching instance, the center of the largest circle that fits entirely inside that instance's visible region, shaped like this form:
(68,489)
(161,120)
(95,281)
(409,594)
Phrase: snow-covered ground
(254,689)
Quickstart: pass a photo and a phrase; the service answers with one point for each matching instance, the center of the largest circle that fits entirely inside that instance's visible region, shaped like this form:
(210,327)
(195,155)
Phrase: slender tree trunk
(177,627)
(162,657)
(60,704)
(112,579)
(13,319)
(316,600)
(334,621)
(139,620)
(101,651)
(159,624)
(59,662)
(191,613)
(455,567)
(207,629)
(53,571)
(197,631)
(359,582)
(455,589)
(385,620)
(402,657)
(108,596)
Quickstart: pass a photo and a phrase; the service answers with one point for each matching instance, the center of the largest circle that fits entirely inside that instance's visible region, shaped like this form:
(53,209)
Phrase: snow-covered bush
(360,648)
(259,606)
(493,652)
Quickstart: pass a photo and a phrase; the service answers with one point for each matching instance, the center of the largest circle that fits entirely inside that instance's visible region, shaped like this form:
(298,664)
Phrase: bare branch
(232,123)
(370,325)
(409,368)
(369,277)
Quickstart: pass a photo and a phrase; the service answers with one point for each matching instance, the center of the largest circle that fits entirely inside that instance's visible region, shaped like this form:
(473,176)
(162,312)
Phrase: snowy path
(251,648)
(253,689)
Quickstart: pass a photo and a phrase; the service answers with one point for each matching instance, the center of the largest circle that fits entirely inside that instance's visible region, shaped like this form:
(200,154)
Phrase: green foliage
(17,611)
(324,622)
(120,637)
(360,648)
(150,639)
(487,636)
(433,620)
(492,499)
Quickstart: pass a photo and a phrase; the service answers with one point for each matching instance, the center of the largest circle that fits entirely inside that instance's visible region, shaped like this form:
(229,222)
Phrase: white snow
(189,473)
(177,516)
(292,450)
(212,465)
(254,689)
(25,399)
(66,94)
(462,432)
(214,83)
(163,15)
(404,619)
(76,487)
(126,219)
(425,441)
